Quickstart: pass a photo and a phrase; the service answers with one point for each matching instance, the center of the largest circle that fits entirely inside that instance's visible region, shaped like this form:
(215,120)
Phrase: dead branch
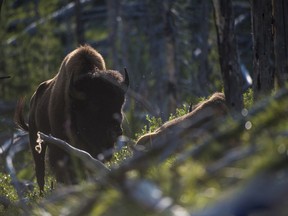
(16,146)
(264,192)
(5,77)
(87,159)
(232,156)
(148,196)
(203,113)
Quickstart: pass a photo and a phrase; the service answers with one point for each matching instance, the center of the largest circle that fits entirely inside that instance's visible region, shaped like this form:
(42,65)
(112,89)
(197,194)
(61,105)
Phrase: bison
(82,105)
(197,119)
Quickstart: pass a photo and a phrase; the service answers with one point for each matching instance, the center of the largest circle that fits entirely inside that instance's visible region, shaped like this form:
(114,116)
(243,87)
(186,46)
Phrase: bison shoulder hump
(87,55)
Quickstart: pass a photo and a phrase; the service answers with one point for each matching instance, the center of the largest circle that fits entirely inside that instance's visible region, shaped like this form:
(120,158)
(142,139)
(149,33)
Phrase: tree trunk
(201,23)
(157,57)
(280,40)
(79,30)
(170,59)
(1,2)
(113,13)
(36,9)
(228,55)
(263,58)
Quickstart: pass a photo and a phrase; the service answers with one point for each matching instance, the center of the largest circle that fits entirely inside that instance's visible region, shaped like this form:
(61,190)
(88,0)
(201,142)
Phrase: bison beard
(82,105)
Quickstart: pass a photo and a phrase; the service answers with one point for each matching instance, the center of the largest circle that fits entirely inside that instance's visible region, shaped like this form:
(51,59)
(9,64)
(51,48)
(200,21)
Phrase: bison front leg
(62,165)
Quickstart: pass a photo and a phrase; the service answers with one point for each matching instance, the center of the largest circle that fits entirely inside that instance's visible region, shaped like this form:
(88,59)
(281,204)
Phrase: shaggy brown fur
(201,114)
(82,105)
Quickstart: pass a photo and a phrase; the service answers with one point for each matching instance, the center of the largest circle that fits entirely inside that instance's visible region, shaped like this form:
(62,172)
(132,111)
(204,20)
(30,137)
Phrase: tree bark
(263,56)
(280,10)
(228,55)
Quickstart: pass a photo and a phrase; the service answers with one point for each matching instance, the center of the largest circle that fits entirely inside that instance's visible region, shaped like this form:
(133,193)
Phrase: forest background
(177,52)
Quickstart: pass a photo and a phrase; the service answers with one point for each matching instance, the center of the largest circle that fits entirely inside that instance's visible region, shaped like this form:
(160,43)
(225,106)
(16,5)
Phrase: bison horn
(126,78)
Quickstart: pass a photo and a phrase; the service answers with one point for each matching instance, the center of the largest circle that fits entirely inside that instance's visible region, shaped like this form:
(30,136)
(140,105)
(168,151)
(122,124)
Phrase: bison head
(96,101)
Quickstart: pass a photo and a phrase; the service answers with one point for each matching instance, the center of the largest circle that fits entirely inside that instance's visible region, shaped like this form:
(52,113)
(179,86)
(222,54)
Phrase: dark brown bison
(82,105)
(201,114)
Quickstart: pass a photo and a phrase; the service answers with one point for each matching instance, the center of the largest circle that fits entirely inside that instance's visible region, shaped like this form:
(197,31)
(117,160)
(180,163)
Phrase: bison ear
(126,78)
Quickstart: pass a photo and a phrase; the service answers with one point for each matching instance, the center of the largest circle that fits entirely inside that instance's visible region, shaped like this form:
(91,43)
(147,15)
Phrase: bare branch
(232,156)
(149,196)
(15,148)
(263,192)
(5,77)
(88,160)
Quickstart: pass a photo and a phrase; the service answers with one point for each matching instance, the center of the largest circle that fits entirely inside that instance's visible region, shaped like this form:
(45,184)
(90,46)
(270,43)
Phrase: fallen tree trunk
(198,122)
